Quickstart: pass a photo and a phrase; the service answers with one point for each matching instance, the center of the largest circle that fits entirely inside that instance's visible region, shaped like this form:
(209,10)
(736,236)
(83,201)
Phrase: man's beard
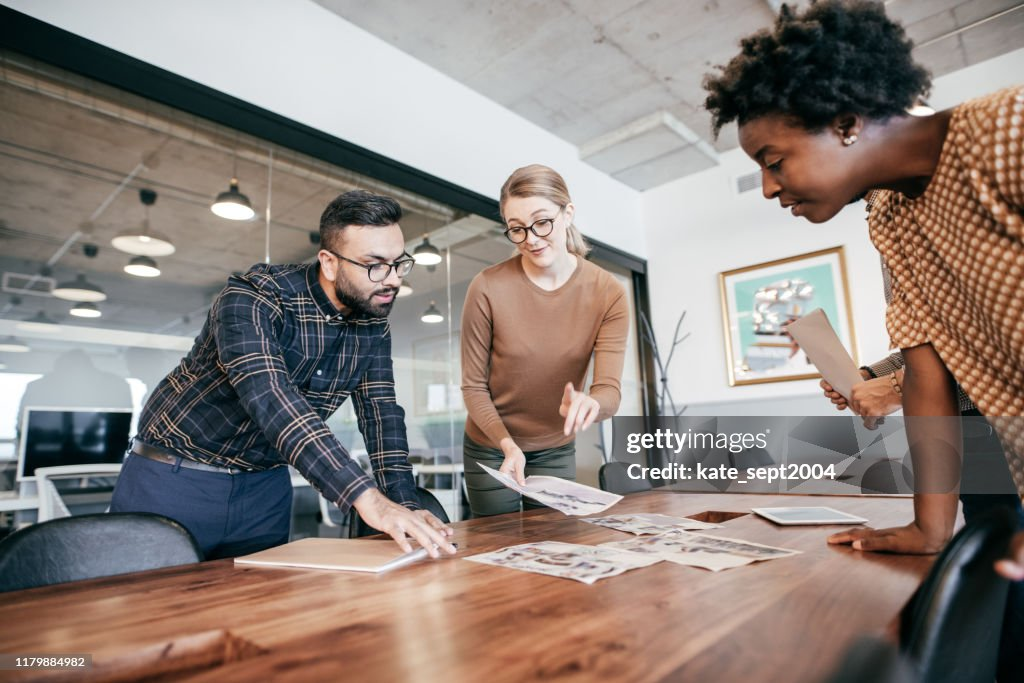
(364,305)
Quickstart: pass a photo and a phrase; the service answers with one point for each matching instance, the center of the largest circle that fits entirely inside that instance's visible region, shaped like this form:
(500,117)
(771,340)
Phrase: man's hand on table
(401,523)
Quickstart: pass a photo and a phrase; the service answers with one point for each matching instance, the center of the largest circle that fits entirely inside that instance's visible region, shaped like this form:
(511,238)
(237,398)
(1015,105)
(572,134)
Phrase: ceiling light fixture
(426,254)
(432,315)
(144,242)
(403,290)
(12,344)
(142,266)
(232,204)
(40,322)
(79,289)
(86,309)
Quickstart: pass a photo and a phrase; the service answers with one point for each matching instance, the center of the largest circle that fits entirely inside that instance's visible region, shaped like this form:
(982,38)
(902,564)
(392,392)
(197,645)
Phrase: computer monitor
(71,436)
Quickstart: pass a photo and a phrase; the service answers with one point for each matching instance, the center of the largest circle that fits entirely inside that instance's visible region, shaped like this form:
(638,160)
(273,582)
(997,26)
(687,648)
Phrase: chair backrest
(873,659)
(357,527)
(90,546)
(950,628)
(51,504)
(613,476)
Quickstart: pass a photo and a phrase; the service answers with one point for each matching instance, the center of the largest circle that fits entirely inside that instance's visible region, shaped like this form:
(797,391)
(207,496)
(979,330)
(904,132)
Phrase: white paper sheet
(563,495)
(642,524)
(700,550)
(585,563)
(820,342)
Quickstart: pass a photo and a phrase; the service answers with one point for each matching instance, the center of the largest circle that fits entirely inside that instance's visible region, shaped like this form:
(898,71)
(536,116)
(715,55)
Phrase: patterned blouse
(956,254)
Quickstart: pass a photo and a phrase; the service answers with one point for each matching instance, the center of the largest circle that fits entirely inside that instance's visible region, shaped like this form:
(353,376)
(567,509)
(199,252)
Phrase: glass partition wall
(111,256)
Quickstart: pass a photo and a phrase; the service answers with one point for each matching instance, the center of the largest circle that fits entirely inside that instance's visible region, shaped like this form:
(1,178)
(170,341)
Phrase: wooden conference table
(789,619)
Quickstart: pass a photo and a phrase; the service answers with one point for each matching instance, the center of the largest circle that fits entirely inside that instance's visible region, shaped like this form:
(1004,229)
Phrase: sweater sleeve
(610,353)
(477,335)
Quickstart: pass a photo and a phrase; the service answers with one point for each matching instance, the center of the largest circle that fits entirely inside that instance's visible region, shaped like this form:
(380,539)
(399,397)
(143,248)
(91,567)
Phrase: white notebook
(341,554)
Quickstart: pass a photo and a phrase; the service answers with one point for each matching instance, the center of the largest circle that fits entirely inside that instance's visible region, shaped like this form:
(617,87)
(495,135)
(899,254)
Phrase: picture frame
(758,300)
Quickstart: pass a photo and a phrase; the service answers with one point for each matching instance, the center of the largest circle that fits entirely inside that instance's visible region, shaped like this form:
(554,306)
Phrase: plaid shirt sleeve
(886,366)
(382,423)
(894,362)
(247,322)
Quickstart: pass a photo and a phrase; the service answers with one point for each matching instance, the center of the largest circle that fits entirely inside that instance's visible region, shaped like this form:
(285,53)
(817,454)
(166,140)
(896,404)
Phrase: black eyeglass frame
(532,227)
(396,266)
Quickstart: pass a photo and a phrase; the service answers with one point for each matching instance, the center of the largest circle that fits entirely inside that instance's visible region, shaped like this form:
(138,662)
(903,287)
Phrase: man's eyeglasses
(540,228)
(379,272)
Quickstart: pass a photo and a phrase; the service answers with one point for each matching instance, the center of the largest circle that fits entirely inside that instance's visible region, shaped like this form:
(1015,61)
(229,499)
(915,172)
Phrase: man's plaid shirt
(274,360)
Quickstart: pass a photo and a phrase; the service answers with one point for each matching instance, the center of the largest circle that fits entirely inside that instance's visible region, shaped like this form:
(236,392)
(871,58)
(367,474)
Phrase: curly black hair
(836,57)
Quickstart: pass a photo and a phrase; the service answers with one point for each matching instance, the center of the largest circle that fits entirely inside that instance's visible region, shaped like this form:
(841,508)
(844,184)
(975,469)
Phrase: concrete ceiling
(73,157)
(621,79)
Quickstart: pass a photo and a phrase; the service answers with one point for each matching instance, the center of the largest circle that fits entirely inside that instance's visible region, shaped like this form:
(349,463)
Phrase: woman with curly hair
(821,102)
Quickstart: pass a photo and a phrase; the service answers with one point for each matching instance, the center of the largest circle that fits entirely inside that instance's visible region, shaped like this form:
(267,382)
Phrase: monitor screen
(72,436)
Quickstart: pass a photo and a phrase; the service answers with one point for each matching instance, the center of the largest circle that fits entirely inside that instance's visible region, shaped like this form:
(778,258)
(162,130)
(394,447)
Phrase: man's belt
(144,450)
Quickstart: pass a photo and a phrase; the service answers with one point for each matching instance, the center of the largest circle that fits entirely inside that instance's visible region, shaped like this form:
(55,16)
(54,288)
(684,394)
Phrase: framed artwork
(759,300)
(437,391)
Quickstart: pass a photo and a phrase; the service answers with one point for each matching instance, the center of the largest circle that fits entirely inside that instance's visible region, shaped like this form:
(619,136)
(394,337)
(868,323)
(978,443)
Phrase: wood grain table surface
(789,619)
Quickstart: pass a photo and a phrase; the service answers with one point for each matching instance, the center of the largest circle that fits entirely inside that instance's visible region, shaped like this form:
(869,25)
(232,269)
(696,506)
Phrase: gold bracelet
(896,388)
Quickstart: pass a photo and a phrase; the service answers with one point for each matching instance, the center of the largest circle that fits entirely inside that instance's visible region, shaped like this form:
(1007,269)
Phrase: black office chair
(875,660)
(90,546)
(357,527)
(950,628)
(613,476)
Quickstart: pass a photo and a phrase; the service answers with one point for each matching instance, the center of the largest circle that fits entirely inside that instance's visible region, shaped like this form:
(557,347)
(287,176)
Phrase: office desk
(450,620)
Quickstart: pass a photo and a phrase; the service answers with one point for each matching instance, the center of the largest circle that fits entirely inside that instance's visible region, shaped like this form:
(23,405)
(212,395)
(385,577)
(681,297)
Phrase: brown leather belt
(144,450)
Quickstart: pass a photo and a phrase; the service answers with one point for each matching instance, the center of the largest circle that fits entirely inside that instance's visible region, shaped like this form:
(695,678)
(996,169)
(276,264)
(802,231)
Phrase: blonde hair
(537,180)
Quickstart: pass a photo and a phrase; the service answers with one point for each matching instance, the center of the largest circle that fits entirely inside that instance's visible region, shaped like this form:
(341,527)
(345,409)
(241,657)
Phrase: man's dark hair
(836,57)
(356,207)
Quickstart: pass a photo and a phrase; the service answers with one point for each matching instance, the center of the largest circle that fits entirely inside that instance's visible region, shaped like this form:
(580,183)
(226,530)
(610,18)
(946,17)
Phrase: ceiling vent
(748,182)
(35,285)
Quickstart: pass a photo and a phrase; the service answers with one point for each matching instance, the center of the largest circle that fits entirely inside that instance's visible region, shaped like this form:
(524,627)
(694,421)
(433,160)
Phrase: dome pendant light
(233,205)
(144,242)
(432,315)
(142,266)
(86,309)
(426,254)
(79,289)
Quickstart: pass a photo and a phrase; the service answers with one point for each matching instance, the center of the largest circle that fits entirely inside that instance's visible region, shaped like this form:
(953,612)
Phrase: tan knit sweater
(521,344)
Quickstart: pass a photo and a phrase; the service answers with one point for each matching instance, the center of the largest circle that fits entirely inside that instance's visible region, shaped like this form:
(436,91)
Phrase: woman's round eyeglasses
(540,228)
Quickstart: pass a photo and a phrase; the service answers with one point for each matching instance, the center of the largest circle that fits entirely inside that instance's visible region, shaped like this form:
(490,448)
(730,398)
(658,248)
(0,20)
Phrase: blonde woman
(530,326)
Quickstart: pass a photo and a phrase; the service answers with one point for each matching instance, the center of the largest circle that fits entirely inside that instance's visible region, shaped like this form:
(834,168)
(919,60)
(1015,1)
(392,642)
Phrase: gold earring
(849,140)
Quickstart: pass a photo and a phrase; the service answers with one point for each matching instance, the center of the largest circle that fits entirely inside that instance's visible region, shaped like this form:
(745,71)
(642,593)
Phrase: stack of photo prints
(658,538)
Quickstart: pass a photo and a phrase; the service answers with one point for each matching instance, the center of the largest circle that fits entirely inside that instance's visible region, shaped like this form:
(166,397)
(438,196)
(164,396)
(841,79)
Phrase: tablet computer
(807,515)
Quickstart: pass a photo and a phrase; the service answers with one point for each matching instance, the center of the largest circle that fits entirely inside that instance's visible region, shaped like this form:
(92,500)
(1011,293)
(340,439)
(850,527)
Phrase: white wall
(303,62)
(698,227)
